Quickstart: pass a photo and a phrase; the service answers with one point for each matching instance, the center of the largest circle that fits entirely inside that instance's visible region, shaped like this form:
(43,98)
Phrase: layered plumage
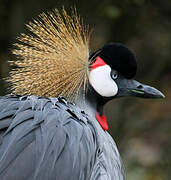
(49,138)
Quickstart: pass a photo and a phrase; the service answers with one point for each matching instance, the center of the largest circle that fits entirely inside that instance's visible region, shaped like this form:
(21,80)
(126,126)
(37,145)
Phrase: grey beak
(129,87)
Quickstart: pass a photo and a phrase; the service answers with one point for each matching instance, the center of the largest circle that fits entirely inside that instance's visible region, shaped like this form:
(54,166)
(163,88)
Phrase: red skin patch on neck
(98,62)
(102,121)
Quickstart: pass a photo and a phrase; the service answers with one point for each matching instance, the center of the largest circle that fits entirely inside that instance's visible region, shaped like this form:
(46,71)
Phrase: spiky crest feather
(53,60)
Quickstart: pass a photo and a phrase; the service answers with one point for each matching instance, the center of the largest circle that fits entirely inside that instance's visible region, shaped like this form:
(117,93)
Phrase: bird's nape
(52,60)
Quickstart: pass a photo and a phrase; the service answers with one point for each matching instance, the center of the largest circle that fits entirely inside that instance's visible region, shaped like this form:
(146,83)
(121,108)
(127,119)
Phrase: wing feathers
(57,138)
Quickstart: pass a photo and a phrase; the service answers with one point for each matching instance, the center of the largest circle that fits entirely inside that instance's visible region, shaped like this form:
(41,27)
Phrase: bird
(52,124)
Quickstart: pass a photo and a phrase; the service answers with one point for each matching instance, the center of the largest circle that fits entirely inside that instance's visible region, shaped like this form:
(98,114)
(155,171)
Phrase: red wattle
(98,62)
(102,121)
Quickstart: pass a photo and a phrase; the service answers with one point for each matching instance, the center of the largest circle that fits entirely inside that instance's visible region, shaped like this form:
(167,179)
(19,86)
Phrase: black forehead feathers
(119,58)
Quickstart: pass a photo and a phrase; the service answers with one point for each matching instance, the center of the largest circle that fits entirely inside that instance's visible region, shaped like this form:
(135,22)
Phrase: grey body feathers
(51,139)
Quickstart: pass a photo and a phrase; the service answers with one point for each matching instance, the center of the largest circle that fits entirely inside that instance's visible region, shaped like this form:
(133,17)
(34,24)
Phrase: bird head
(112,75)
(112,72)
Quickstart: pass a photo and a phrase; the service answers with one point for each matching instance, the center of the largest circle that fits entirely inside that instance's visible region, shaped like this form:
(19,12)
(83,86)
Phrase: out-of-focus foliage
(141,128)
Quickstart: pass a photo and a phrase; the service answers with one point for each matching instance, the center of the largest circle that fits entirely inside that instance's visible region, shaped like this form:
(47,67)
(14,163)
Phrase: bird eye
(114,75)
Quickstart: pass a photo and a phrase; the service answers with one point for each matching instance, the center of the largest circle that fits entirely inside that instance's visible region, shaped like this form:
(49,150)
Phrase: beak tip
(162,95)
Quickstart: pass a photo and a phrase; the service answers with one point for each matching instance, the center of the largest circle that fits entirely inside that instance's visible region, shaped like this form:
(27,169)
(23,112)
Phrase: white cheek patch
(102,82)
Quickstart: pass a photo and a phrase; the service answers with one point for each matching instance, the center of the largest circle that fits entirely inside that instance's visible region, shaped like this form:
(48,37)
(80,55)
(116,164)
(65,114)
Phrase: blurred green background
(141,128)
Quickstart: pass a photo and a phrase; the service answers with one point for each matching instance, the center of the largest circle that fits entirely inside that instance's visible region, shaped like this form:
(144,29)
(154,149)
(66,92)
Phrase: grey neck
(92,102)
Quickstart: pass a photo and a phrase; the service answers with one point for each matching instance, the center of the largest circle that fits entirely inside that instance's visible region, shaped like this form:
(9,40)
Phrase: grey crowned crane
(52,126)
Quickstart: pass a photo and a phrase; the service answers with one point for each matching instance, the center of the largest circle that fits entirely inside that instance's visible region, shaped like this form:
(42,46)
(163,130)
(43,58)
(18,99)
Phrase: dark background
(141,128)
